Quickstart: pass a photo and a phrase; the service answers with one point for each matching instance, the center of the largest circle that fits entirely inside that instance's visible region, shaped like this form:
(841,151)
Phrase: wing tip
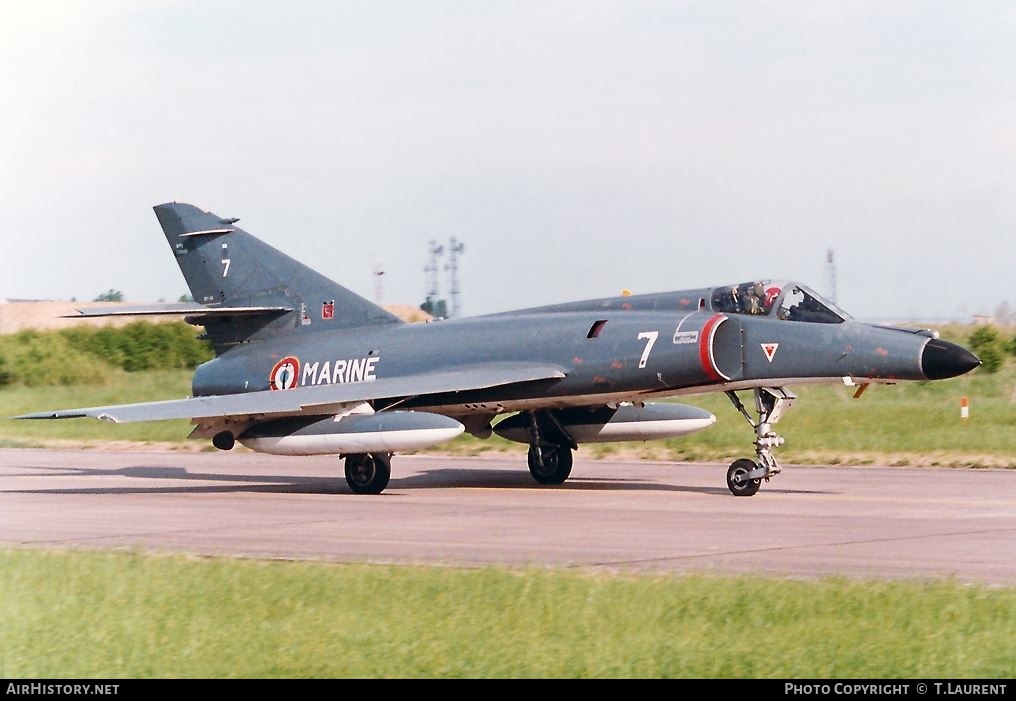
(43,415)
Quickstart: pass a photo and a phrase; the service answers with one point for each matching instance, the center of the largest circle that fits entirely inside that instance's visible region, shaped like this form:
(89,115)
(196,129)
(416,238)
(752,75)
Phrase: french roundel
(285,374)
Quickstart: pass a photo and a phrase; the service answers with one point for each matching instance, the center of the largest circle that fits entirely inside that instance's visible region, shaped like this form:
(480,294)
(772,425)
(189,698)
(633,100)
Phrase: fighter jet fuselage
(608,355)
(305,366)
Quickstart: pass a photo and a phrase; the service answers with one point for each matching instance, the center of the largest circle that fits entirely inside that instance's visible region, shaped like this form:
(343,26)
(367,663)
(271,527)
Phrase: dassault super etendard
(304,366)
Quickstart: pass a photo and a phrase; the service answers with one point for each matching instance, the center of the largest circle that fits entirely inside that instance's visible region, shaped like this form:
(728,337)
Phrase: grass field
(129,615)
(905,424)
(119,387)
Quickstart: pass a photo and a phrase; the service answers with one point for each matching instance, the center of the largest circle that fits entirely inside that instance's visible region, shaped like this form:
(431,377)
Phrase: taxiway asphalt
(867,522)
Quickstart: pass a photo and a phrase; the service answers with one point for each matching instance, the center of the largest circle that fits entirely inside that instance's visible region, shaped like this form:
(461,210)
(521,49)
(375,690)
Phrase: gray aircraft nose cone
(941,359)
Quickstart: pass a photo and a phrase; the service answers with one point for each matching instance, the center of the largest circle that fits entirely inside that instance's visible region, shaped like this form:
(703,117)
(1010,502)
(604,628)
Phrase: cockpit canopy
(783,300)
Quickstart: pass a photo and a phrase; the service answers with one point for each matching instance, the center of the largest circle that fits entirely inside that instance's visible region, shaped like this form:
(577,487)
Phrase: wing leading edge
(184,309)
(307,399)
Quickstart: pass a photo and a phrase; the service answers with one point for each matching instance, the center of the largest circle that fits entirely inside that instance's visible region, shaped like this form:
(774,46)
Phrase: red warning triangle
(770,350)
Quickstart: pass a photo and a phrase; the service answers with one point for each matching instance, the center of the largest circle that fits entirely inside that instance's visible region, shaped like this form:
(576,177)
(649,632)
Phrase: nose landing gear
(744,476)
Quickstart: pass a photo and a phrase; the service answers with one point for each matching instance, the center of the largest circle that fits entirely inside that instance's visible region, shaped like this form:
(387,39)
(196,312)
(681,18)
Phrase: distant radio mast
(432,270)
(831,276)
(378,284)
(455,249)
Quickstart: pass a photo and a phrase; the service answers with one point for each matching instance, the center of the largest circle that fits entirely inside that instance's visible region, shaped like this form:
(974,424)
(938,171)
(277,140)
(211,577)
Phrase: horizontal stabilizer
(182,309)
(309,400)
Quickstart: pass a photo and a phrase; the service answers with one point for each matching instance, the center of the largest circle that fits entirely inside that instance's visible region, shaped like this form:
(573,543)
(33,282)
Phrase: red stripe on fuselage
(705,347)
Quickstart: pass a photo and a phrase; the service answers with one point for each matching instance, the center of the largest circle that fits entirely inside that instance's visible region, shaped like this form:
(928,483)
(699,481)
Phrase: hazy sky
(577,148)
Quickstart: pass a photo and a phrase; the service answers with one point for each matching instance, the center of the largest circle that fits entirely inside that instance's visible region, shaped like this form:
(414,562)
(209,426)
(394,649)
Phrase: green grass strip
(103,614)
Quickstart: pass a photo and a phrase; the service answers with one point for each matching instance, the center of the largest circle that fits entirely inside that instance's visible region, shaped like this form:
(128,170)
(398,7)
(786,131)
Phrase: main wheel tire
(368,473)
(737,478)
(557,464)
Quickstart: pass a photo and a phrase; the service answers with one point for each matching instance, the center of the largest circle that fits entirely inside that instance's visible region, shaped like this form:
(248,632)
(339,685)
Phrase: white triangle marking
(770,350)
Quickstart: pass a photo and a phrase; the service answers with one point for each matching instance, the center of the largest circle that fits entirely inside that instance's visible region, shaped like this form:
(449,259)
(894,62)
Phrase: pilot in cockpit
(754,299)
(746,298)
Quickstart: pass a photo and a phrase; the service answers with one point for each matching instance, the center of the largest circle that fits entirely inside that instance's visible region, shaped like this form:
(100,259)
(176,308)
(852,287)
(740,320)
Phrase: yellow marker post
(964,408)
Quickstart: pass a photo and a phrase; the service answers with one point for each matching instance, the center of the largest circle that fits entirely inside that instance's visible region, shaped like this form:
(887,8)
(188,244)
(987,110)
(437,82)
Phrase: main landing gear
(744,476)
(368,473)
(550,464)
(550,448)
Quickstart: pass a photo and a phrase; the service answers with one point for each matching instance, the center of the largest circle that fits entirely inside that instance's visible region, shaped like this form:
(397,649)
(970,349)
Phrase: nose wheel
(738,481)
(744,476)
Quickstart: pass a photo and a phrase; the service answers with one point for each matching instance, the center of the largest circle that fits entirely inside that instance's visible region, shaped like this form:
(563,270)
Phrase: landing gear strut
(550,461)
(368,473)
(745,476)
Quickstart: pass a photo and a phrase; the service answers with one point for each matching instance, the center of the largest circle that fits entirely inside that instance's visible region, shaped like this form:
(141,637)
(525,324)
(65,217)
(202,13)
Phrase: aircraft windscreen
(801,304)
(790,301)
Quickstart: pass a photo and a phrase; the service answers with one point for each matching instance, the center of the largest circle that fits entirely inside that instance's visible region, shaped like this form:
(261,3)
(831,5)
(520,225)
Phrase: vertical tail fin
(224,266)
